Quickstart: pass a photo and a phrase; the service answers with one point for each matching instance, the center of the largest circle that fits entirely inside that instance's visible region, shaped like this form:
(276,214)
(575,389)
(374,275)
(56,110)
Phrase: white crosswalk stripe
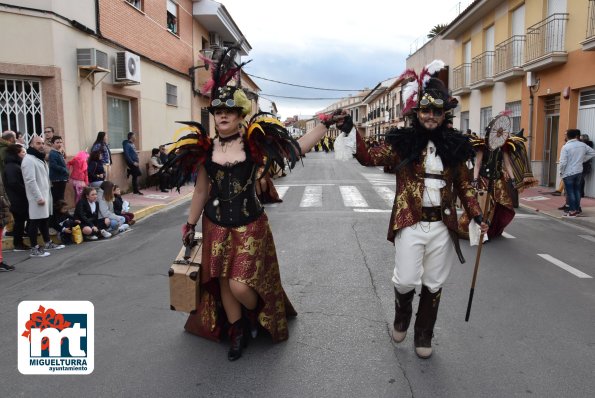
(352,197)
(312,196)
(281,190)
(379,179)
(387,194)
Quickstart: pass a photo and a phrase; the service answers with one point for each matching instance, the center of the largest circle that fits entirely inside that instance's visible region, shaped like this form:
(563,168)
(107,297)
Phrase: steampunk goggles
(229,103)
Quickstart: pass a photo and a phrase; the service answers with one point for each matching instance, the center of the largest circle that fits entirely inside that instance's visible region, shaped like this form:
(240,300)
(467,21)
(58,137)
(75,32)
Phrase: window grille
(21,106)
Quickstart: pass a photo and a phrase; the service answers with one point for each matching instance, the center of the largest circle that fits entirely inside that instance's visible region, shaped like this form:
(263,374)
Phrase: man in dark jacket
(131,158)
(15,189)
(58,169)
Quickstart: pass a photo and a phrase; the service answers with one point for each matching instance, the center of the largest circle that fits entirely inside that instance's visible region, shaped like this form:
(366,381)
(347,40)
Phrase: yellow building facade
(535,59)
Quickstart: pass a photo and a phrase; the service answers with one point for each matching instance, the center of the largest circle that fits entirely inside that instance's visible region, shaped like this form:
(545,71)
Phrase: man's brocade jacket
(407,207)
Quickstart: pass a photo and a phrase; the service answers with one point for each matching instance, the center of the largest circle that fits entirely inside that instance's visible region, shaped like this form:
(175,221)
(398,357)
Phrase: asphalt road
(531,331)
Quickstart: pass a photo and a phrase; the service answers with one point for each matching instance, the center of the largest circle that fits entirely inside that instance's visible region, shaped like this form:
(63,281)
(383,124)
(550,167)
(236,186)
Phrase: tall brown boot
(403,310)
(425,320)
(237,339)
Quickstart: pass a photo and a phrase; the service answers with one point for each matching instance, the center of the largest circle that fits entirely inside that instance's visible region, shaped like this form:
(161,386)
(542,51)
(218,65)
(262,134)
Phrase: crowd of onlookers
(33,180)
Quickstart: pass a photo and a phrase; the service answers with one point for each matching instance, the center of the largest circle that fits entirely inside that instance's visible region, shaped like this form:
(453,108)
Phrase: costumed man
(429,162)
(500,157)
(240,282)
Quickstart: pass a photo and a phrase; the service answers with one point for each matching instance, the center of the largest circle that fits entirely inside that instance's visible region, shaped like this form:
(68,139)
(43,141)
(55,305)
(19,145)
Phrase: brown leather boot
(425,320)
(403,310)
(237,339)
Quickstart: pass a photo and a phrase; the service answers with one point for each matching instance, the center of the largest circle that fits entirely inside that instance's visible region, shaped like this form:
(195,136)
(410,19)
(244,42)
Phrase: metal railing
(546,37)
(482,67)
(591,20)
(509,54)
(461,76)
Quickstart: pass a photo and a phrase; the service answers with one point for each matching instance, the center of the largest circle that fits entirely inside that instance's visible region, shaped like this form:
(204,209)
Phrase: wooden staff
(486,212)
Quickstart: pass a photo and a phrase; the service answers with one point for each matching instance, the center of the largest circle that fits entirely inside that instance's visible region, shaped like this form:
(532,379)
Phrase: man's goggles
(428,100)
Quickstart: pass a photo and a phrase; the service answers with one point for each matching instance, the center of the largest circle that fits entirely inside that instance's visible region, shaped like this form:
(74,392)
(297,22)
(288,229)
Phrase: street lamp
(206,53)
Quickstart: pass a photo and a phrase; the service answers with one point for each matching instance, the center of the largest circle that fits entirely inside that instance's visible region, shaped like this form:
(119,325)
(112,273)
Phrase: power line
(310,98)
(298,85)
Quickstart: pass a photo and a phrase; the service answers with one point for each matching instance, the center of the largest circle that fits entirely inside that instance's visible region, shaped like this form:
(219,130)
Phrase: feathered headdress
(418,85)
(186,154)
(222,72)
(270,142)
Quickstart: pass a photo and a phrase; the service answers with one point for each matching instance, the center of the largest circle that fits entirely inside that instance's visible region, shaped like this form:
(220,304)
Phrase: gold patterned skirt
(501,215)
(245,254)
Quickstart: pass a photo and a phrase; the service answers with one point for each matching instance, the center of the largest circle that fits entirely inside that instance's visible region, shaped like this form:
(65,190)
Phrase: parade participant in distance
(500,157)
(240,280)
(429,162)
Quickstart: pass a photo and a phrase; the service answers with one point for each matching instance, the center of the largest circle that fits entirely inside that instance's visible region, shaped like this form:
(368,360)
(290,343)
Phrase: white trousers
(424,254)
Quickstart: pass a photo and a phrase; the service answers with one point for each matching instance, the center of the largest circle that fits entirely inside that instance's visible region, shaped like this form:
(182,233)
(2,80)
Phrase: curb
(7,242)
(580,221)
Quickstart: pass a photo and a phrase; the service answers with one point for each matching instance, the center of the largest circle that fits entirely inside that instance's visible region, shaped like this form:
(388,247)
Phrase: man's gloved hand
(188,233)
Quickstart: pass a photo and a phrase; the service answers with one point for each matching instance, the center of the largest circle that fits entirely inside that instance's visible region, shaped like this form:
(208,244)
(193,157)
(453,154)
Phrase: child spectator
(95,169)
(78,174)
(105,199)
(62,221)
(87,211)
(101,144)
(122,207)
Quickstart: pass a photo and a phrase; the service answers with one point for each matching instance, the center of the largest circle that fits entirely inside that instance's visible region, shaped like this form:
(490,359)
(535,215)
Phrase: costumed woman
(241,289)
(429,162)
(500,157)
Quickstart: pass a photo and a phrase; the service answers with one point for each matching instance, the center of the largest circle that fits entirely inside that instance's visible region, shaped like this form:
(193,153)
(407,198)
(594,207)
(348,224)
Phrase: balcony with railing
(482,70)
(589,42)
(545,43)
(461,78)
(509,58)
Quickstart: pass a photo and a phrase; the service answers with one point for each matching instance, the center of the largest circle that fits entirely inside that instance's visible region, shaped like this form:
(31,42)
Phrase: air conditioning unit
(91,57)
(127,68)
(215,39)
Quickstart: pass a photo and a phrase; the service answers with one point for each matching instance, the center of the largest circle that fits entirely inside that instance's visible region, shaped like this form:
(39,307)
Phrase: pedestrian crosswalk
(352,197)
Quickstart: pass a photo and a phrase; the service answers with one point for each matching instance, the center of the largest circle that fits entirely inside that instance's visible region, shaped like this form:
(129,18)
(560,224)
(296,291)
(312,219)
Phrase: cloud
(330,44)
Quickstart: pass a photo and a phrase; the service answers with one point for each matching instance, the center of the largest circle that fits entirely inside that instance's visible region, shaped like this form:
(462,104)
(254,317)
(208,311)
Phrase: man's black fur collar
(409,143)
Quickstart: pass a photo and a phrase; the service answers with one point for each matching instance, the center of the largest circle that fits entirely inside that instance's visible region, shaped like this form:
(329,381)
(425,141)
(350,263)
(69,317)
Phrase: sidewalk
(541,200)
(150,202)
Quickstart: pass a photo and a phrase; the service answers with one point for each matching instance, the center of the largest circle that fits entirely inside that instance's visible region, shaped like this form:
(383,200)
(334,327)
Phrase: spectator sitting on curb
(87,211)
(155,166)
(105,199)
(122,207)
(62,221)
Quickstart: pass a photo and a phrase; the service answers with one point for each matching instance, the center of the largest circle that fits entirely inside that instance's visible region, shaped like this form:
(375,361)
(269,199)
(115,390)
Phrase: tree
(436,30)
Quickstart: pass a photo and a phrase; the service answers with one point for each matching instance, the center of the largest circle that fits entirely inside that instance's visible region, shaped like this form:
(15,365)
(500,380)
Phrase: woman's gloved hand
(188,233)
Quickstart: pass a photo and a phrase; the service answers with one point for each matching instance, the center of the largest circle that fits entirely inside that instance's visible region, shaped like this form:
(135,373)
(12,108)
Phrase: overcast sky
(331,44)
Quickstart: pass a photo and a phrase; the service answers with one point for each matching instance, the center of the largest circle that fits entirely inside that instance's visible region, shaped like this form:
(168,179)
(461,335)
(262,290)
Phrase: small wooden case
(184,277)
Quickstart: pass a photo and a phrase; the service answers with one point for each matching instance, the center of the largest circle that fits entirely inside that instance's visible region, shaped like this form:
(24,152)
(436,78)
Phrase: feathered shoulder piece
(187,153)
(270,142)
